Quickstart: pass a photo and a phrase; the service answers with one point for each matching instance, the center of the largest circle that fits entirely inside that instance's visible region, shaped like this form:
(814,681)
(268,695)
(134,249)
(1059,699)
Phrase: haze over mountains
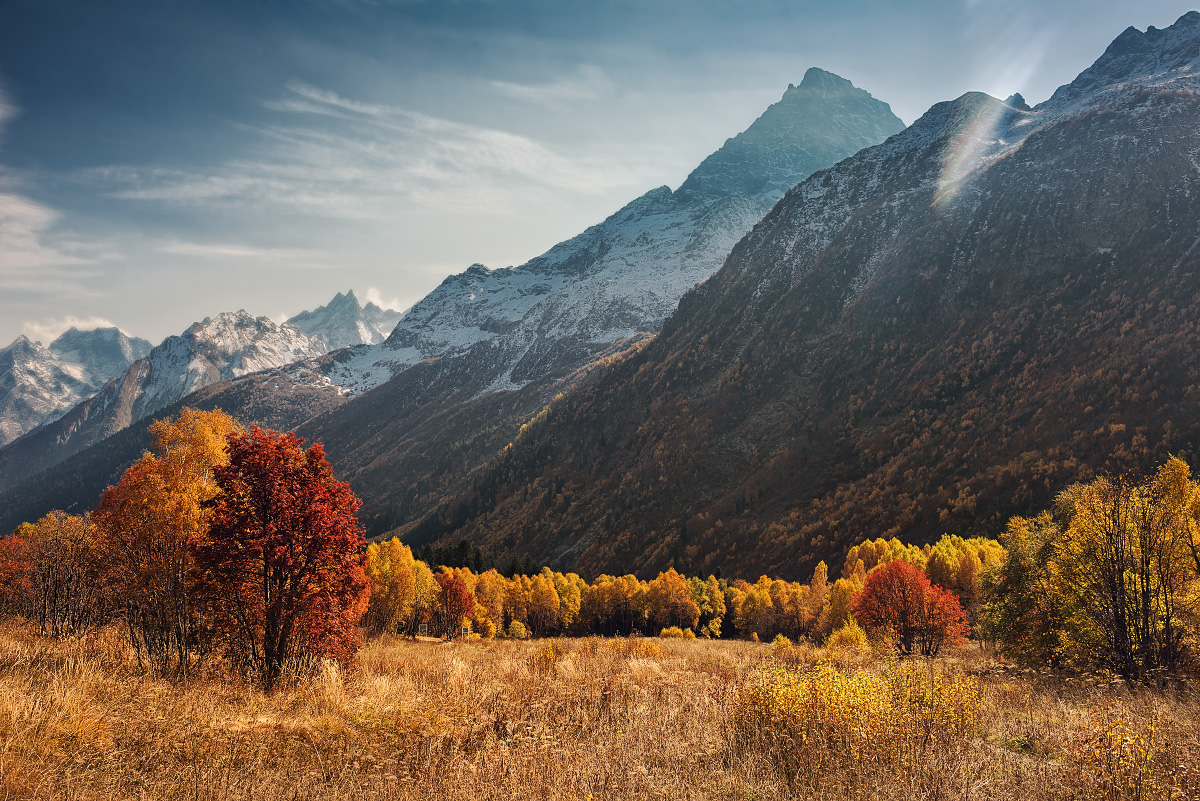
(923,336)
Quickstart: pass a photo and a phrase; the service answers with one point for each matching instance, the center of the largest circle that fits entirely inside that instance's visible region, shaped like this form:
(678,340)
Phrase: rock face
(625,275)
(39,384)
(939,332)
(344,322)
(227,346)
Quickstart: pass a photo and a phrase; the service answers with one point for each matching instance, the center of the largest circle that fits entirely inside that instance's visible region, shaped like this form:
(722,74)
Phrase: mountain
(408,441)
(625,275)
(937,333)
(38,384)
(344,322)
(227,346)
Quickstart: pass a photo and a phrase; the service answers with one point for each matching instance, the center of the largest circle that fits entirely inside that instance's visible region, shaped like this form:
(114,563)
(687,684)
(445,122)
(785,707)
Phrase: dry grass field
(577,719)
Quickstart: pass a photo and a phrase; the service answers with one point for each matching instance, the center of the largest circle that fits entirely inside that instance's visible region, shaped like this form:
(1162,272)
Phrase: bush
(810,724)
(517,630)
(672,632)
(850,637)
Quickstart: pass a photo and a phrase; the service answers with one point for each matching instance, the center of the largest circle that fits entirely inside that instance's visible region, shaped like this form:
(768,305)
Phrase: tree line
(241,544)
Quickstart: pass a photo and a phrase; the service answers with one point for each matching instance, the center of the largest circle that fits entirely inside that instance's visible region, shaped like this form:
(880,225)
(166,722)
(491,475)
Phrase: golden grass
(578,719)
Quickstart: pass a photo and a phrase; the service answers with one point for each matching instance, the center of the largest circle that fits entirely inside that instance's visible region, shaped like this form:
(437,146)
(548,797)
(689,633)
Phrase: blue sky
(164,161)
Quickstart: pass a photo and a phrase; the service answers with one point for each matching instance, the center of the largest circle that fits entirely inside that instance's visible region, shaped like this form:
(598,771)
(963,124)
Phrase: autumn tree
(283,561)
(898,599)
(16,588)
(391,571)
(65,576)
(1024,611)
(669,602)
(1125,560)
(455,603)
(148,524)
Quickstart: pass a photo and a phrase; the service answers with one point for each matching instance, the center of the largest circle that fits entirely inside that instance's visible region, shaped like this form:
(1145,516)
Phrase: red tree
(454,602)
(899,599)
(283,561)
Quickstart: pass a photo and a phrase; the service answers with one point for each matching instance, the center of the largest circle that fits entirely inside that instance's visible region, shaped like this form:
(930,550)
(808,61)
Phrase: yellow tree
(391,570)
(669,602)
(65,570)
(148,523)
(544,604)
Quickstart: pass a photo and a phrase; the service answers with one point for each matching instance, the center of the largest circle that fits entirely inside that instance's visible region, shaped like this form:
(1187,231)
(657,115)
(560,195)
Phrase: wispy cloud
(49,330)
(336,157)
(294,257)
(588,84)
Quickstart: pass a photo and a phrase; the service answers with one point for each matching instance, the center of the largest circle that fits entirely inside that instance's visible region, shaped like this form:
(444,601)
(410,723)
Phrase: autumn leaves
(220,542)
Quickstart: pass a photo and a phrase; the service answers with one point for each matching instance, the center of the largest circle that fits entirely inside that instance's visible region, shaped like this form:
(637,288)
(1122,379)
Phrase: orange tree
(147,523)
(283,561)
(898,599)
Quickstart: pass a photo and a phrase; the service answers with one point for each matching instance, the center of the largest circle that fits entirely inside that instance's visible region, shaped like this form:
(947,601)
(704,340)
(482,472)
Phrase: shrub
(813,723)
(517,630)
(850,637)
(673,632)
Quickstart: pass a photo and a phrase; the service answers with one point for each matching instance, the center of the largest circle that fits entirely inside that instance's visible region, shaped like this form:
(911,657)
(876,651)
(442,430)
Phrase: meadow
(588,718)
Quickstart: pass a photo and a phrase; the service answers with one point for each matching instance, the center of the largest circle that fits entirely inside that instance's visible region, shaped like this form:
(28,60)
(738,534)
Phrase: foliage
(1111,579)
(899,599)
(283,560)
(391,571)
(454,603)
(810,723)
(59,575)
(148,524)
(1121,757)
(848,637)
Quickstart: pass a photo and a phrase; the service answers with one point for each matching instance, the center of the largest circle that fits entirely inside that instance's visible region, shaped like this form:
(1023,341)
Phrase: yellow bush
(850,637)
(1120,755)
(672,632)
(811,722)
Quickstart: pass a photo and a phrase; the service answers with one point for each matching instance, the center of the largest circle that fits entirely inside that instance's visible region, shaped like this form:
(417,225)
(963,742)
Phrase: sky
(165,161)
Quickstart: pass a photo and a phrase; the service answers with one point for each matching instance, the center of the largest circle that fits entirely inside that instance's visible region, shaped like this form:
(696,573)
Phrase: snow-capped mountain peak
(344,321)
(626,274)
(39,383)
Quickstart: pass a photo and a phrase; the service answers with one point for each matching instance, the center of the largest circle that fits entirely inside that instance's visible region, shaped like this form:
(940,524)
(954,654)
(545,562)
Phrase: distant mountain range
(484,331)
(40,383)
(89,385)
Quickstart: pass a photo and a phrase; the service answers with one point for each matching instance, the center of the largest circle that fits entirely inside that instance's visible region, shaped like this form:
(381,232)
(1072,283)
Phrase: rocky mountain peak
(344,322)
(1137,55)
(814,125)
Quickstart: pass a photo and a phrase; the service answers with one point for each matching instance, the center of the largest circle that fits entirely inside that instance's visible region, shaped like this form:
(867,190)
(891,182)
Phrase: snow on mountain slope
(39,384)
(344,322)
(230,345)
(626,274)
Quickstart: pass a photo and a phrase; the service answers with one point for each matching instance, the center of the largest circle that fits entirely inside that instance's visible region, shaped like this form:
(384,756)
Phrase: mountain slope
(625,275)
(230,345)
(407,443)
(934,334)
(38,384)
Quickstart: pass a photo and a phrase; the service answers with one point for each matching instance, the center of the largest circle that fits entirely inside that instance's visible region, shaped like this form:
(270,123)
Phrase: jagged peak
(1136,54)
(818,80)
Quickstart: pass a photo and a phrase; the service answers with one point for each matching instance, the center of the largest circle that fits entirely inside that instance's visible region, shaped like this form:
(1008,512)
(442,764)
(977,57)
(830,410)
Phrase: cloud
(49,330)
(33,260)
(373,295)
(335,157)
(296,256)
(589,84)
